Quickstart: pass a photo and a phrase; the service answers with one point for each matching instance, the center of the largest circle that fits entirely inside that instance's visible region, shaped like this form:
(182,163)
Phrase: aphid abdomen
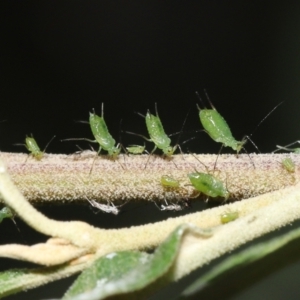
(101,133)
(217,128)
(156,132)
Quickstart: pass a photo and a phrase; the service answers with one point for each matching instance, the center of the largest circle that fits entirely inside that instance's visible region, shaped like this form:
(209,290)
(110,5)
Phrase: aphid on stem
(101,135)
(217,128)
(157,134)
(208,184)
(136,149)
(288,164)
(229,216)
(33,148)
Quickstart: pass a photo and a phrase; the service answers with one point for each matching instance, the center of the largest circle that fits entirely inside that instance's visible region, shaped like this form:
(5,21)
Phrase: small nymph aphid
(229,216)
(33,147)
(169,182)
(288,164)
(136,149)
(157,134)
(7,213)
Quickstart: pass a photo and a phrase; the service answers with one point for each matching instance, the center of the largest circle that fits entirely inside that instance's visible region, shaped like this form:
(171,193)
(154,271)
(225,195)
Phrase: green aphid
(33,147)
(218,129)
(136,149)
(158,135)
(101,135)
(6,212)
(169,182)
(288,164)
(208,185)
(229,216)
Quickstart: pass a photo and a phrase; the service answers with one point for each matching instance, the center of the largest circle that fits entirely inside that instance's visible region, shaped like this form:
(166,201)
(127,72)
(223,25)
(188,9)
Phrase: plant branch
(67,177)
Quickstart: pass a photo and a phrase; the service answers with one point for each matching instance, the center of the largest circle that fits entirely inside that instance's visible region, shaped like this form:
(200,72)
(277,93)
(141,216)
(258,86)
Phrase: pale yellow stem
(68,178)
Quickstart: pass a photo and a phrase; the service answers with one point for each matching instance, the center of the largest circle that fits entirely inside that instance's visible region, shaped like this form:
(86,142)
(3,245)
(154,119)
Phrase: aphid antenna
(208,99)
(201,101)
(83,122)
(263,119)
(140,114)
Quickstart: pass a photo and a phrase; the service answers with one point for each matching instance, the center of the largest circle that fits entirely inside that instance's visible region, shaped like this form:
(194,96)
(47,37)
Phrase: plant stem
(60,177)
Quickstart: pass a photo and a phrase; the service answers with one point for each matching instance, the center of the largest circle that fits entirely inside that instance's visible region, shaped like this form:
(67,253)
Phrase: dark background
(60,59)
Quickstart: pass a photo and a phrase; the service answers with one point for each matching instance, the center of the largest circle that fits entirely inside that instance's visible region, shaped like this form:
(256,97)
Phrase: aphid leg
(120,145)
(95,160)
(286,147)
(218,156)
(149,157)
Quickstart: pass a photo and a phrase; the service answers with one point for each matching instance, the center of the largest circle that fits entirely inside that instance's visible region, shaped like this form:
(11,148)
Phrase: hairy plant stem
(71,177)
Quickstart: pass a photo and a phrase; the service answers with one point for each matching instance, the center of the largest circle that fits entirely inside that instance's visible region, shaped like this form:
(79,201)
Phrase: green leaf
(243,258)
(17,280)
(128,272)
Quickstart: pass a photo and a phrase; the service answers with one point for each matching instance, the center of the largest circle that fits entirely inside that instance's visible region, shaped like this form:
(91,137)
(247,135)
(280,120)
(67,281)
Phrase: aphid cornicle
(229,216)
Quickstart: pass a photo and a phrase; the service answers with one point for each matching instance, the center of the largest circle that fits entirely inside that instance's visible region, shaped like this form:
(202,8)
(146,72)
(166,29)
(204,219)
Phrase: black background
(60,59)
